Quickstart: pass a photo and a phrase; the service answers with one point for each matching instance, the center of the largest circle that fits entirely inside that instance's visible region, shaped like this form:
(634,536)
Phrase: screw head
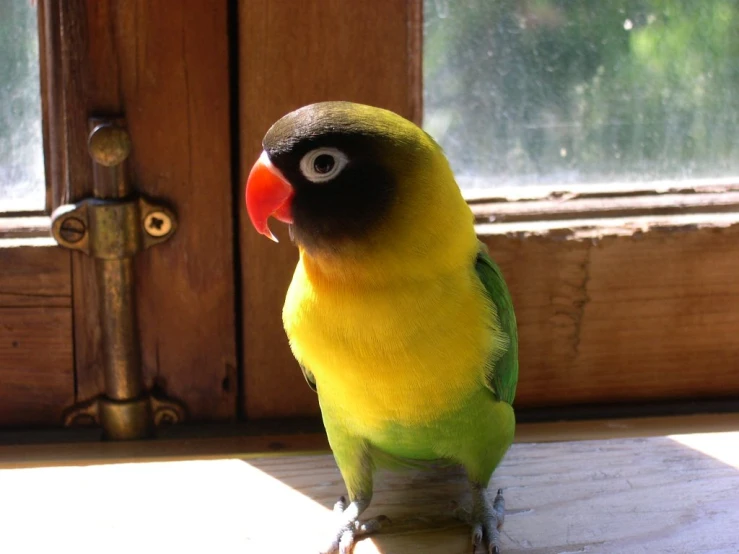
(166,416)
(109,144)
(72,230)
(157,224)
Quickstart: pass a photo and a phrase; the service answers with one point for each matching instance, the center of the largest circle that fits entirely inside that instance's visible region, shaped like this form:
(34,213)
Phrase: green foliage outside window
(21,151)
(583,91)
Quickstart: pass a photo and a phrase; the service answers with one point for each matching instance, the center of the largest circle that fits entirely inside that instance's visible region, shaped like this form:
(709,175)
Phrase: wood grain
(165,69)
(36,358)
(31,226)
(36,363)
(293,53)
(658,495)
(178,59)
(653,495)
(646,317)
(608,207)
(35,277)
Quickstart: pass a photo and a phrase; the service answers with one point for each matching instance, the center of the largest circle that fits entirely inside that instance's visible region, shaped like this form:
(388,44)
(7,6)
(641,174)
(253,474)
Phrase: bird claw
(343,541)
(340,505)
(486,519)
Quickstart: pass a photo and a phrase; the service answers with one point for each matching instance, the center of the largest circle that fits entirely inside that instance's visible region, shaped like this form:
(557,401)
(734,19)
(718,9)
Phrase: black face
(342,189)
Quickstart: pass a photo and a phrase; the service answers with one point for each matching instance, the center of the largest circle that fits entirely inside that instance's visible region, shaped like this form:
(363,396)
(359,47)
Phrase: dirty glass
(558,92)
(21,149)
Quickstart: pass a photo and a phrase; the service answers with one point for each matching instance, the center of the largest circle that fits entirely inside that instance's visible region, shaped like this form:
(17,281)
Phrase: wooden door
(166,69)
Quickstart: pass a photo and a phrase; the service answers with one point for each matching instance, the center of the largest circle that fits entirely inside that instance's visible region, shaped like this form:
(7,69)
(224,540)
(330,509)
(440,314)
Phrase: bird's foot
(350,528)
(486,519)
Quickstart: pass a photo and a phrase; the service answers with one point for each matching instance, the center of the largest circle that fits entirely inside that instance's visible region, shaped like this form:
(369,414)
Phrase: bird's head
(367,193)
(337,172)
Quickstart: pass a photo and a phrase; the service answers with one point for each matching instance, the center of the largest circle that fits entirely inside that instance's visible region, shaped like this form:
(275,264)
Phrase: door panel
(645,318)
(36,359)
(166,71)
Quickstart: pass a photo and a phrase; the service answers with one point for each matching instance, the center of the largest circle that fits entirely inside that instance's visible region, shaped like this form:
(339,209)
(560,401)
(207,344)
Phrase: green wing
(503,370)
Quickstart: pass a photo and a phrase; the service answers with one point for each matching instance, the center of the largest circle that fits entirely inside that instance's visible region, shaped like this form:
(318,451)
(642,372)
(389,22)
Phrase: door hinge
(112,227)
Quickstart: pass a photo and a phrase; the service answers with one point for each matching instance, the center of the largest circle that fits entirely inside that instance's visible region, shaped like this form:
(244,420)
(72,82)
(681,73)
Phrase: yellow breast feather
(405,353)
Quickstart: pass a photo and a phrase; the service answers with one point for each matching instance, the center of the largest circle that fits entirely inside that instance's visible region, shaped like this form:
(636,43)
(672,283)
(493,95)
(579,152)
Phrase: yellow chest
(392,354)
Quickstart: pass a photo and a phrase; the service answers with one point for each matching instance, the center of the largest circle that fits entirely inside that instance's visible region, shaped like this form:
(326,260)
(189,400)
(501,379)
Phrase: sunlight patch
(225,506)
(720,446)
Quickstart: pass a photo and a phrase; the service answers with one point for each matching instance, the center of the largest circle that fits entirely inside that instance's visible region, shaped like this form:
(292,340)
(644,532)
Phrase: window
(559,93)
(607,315)
(22,185)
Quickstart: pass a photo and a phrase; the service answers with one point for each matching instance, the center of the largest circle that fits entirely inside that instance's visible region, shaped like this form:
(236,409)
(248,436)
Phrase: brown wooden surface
(36,355)
(644,317)
(36,360)
(36,365)
(254,440)
(35,277)
(24,227)
(293,53)
(166,70)
(608,207)
(658,495)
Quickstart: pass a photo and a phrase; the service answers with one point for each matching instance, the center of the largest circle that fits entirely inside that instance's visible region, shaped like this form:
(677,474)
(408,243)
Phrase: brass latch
(112,228)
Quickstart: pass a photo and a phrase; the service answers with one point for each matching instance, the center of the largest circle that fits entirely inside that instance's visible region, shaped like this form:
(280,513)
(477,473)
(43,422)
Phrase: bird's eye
(322,164)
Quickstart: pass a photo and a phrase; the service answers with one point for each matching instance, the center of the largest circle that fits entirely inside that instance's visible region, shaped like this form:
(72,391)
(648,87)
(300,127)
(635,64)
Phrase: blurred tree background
(21,150)
(554,92)
(518,92)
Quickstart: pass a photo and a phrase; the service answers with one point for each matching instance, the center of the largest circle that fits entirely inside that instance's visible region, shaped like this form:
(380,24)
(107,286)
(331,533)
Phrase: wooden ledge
(255,440)
(658,494)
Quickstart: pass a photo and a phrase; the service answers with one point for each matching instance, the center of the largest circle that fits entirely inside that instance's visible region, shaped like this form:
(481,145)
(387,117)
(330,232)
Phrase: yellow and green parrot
(398,317)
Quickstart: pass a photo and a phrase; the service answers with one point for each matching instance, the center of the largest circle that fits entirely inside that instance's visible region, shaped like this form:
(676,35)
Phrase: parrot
(398,317)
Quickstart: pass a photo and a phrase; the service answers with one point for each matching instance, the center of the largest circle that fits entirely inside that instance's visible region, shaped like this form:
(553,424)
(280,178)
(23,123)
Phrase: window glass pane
(21,149)
(552,92)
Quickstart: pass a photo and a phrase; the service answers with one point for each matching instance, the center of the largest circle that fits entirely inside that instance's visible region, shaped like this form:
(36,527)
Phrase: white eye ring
(308,169)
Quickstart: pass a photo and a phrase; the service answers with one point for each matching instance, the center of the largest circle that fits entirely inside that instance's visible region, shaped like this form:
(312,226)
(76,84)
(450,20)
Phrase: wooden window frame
(89,66)
(580,260)
(34,224)
(36,314)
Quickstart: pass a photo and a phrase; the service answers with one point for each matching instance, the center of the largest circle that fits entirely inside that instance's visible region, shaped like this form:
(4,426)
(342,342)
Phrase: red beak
(268,194)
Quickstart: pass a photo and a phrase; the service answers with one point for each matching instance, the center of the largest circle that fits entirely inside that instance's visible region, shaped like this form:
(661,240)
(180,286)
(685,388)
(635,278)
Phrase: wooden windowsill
(592,211)
(652,494)
(605,191)
(23,226)
(303,437)
(602,227)
(27,230)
